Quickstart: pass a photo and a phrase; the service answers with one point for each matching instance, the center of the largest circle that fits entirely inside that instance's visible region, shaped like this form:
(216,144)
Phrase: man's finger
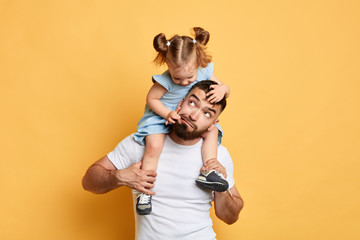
(150,179)
(150,173)
(146,191)
(149,185)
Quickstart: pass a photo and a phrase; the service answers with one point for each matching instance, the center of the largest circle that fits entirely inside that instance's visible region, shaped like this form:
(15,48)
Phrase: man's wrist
(115,178)
(226,193)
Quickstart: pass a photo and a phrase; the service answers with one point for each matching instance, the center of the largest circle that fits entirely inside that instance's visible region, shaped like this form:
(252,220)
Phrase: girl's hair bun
(160,43)
(201,35)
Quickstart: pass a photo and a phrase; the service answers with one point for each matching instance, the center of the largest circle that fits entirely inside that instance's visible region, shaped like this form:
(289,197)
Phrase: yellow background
(74,76)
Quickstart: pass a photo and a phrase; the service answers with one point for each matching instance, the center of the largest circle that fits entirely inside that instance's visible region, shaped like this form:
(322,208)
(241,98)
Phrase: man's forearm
(99,180)
(102,177)
(228,205)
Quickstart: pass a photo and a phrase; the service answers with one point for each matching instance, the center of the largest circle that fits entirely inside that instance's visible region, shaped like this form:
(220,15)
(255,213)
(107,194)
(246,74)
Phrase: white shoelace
(219,174)
(144,198)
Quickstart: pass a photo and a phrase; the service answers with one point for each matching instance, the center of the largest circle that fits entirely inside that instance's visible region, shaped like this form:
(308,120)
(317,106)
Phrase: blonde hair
(179,50)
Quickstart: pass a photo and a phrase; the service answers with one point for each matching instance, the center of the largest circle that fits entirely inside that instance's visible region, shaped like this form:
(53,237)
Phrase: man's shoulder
(223,154)
(222,150)
(129,145)
(127,152)
(130,141)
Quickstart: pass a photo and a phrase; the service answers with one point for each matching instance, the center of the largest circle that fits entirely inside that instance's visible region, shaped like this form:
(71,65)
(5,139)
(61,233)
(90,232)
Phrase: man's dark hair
(205,86)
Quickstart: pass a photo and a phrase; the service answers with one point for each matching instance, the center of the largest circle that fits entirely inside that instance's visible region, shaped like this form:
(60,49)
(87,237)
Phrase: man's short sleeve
(126,153)
(225,160)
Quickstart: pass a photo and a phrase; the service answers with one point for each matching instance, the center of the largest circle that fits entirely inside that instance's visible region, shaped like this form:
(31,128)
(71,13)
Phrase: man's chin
(182,131)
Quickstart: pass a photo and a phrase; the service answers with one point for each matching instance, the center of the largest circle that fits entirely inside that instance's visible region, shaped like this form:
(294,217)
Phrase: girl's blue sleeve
(163,79)
(209,70)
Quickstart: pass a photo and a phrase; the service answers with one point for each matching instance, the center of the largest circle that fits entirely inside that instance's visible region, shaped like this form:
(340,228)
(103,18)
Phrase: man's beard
(181,130)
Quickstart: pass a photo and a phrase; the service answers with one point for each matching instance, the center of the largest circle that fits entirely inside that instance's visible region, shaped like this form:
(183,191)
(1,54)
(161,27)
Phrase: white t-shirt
(180,209)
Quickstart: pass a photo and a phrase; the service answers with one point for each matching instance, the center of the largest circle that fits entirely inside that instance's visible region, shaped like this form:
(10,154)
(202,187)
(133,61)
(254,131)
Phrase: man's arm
(102,177)
(228,205)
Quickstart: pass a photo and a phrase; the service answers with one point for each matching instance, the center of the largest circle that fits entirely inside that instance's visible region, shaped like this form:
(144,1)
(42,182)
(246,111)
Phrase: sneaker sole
(143,212)
(215,186)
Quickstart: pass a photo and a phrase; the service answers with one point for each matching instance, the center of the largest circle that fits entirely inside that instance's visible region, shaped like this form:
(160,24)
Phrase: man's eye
(192,103)
(208,115)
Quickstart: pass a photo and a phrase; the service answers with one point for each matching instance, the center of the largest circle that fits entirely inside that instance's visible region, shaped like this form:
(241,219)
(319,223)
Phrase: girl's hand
(172,117)
(213,163)
(217,93)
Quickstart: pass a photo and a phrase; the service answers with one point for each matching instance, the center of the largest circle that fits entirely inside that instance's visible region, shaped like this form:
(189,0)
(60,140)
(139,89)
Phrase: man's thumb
(138,164)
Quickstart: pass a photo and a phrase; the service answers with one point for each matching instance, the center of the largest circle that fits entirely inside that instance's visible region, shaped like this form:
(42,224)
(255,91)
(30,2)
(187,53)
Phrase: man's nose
(194,115)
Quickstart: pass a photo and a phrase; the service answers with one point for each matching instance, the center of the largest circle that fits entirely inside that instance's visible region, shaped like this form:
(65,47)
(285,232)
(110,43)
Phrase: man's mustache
(188,120)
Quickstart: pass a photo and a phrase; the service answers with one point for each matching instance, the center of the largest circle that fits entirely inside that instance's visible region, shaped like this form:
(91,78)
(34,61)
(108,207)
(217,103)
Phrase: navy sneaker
(212,180)
(143,204)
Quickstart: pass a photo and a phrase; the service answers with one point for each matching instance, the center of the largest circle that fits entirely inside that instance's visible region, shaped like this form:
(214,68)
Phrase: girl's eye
(208,115)
(192,103)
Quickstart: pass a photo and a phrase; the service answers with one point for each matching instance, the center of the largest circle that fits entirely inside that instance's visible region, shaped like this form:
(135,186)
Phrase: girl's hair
(179,49)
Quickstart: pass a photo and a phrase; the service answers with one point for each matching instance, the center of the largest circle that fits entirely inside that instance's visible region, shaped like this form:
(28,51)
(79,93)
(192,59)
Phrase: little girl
(187,63)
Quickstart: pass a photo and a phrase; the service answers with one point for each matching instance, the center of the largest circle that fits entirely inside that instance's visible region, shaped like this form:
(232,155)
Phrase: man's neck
(181,141)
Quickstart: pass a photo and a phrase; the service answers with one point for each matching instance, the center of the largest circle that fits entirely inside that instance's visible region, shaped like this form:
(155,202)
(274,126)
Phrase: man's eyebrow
(211,110)
(198,100)
(196,97)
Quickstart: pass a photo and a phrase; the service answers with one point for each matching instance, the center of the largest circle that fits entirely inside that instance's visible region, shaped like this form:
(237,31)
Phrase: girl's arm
(153,101)
(218,91)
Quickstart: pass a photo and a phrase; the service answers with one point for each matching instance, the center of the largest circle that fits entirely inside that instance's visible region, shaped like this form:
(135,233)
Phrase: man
(181,210)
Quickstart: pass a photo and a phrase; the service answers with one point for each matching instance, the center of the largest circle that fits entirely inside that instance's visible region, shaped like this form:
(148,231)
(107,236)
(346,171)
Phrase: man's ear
(213,125)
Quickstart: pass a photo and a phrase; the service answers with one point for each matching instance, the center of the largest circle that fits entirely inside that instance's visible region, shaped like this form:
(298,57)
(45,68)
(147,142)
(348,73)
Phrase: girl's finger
(211,92)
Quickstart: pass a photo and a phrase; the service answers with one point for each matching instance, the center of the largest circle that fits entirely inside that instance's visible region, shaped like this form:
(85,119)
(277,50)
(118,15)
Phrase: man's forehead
(201,95)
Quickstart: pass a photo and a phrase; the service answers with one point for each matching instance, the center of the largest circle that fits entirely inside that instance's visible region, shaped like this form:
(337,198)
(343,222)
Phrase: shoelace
(144,198)
(219,174)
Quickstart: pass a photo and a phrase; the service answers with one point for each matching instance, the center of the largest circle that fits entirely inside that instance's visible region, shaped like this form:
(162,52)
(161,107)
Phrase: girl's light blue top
(152,123)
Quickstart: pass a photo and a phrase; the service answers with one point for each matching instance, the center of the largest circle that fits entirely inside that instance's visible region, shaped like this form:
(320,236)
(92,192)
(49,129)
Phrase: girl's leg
(153,148)
(211,179)
(210,145)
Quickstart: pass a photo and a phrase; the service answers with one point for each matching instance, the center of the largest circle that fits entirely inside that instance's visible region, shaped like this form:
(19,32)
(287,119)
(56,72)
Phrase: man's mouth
(188,121)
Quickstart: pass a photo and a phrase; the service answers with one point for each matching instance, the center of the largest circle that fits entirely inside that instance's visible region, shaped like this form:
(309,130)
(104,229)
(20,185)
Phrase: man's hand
(213,163)
(102,177)
(135,178)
